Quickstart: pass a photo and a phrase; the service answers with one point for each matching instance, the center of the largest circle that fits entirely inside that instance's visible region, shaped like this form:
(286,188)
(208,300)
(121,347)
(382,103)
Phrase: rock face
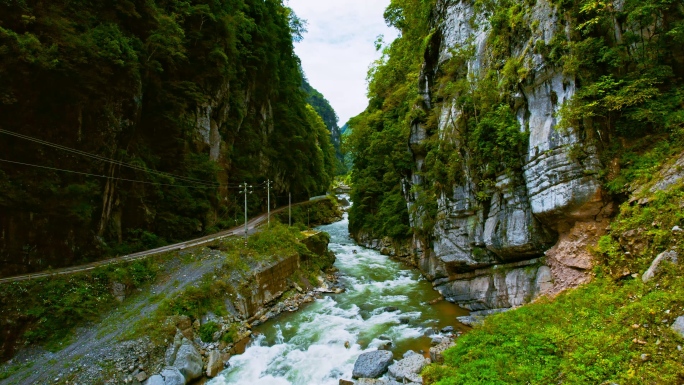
(372,364)
(188,361)
(472,251)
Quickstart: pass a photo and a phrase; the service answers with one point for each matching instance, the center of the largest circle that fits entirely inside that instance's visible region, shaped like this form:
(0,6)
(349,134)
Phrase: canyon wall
(502,244)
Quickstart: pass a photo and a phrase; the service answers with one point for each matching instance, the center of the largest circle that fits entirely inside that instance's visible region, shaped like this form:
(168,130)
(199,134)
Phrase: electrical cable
(108,177)
(98,157)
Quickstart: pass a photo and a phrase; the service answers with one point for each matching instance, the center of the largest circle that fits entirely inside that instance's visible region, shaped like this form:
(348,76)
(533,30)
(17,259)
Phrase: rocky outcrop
(542,210)
(500,286)
(372,364)
(666,256)
(385,246)
(270,280)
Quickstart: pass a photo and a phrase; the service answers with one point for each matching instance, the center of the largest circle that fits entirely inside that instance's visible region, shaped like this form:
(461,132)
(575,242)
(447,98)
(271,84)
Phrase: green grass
(47,310)
(7,371)
(584,336)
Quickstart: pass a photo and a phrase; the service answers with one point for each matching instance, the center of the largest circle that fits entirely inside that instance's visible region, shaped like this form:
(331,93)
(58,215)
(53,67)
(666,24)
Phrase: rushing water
(308,347)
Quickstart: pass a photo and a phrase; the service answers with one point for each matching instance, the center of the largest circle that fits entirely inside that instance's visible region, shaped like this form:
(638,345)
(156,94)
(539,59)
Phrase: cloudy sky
(339,47)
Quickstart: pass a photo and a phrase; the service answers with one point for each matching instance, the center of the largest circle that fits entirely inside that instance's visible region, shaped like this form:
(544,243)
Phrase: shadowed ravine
(308,347)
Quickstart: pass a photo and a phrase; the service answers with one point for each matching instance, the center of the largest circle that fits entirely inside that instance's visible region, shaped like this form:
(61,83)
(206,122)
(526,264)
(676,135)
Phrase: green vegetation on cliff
(206,90)
(626,61)
(329,116)
(378,138)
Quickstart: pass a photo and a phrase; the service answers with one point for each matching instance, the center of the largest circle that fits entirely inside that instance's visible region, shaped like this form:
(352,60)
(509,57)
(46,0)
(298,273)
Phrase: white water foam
(309,348)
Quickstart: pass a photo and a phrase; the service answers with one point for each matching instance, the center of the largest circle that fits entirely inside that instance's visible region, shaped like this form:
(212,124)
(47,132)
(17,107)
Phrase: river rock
(169,376)
(140,376)
(188,361)
(678,326)
(670,256)
(436,352)
(372,364)
(346,382)
(373,381)
(408,368)
(214,363)
(478,317)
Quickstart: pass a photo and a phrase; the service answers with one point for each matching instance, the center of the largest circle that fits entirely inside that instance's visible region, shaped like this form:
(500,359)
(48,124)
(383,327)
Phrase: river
(384,299)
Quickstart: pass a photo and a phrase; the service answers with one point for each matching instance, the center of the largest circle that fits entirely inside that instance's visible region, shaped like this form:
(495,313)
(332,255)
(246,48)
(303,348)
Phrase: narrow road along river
(308,347)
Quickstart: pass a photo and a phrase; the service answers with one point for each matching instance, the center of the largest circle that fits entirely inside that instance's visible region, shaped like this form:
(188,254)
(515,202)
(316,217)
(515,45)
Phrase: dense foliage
(329,116)
(378,137)
(206,90)
(626,60)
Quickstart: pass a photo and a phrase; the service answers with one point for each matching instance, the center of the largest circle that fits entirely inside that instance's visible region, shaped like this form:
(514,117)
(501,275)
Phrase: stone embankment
(271,290)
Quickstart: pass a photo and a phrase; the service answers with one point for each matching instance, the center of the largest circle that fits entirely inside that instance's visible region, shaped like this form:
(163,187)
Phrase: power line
(107,177)
(98,157)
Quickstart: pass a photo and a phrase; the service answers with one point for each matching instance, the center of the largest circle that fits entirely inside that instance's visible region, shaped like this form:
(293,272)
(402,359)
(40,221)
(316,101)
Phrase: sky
(339,47)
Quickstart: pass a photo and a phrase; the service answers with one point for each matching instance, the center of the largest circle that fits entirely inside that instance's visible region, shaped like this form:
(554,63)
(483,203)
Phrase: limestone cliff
(504,243)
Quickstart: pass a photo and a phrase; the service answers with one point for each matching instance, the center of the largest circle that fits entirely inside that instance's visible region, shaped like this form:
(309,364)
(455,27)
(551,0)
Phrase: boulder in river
(214,363)
(408,368)
(168,376)
(188,361)
(372,364)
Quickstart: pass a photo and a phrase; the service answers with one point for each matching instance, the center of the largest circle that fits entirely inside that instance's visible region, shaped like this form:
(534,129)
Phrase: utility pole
(289,194)
(245,189)
(268,188)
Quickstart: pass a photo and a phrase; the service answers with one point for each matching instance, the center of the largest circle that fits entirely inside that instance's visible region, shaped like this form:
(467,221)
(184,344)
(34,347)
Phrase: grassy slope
(613,330)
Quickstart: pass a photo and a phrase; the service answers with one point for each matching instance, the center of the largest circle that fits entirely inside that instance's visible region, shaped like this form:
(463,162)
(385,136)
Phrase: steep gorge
(523,120)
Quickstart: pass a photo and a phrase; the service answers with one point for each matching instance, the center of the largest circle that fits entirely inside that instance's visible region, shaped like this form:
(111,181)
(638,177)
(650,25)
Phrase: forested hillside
(329,116)
(177,102)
